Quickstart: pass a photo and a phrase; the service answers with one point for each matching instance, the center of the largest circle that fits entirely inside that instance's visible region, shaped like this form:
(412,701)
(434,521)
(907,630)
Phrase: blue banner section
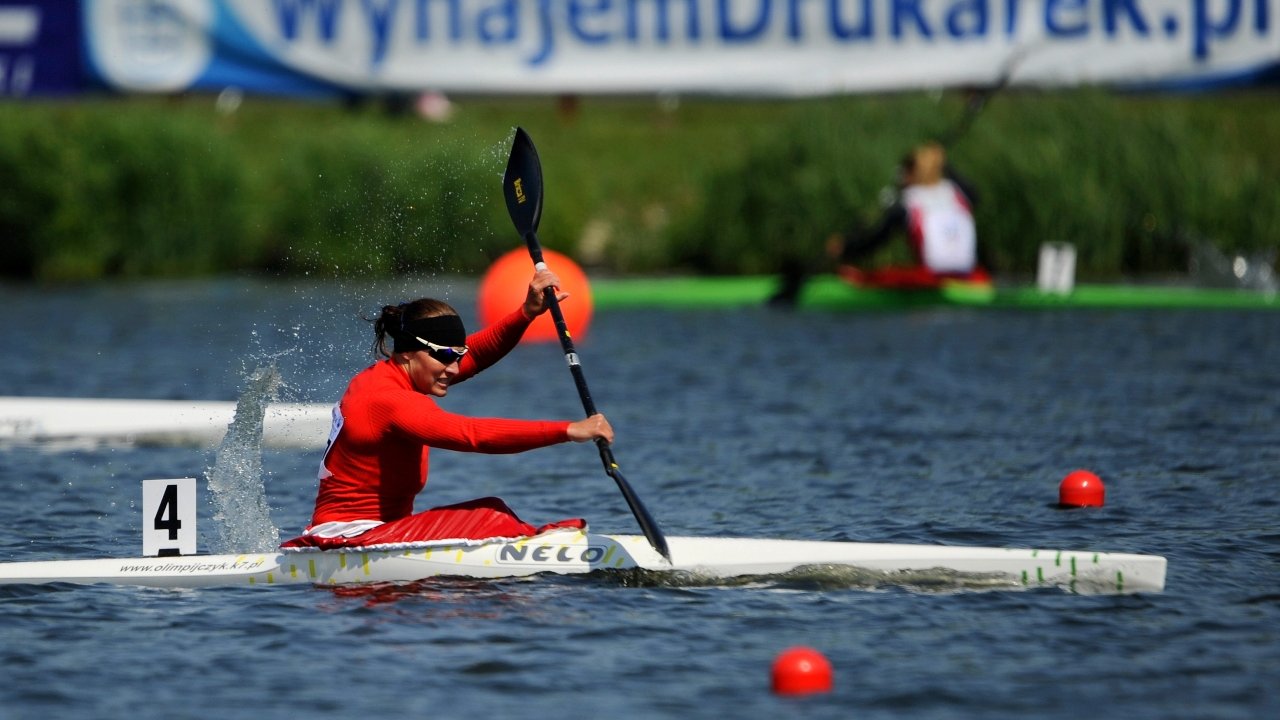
(40,48)
(738,47)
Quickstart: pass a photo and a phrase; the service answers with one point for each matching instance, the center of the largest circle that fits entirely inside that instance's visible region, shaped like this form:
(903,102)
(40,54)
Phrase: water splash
(235,481)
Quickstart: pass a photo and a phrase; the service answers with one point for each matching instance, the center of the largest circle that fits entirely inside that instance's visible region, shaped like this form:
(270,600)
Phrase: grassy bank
(158,186)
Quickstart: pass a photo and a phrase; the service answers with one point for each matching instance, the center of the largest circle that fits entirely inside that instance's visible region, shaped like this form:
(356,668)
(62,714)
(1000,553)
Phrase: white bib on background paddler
(943,226)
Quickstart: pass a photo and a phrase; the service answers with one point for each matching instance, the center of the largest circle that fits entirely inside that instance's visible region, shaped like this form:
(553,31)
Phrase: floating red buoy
(503,288)
(800,671)
(1081,488)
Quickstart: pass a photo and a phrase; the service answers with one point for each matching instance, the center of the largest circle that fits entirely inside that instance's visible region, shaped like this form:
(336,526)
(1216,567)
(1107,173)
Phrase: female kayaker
(387,420)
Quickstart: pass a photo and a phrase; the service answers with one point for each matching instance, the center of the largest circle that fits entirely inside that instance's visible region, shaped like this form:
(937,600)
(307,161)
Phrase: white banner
(740,47)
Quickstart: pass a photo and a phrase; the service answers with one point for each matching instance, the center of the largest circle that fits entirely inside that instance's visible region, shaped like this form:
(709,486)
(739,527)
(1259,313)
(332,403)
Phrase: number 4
(170,506)
(167,513)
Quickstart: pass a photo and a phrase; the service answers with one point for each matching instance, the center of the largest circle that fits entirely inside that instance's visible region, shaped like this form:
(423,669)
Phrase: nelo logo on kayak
(523,554)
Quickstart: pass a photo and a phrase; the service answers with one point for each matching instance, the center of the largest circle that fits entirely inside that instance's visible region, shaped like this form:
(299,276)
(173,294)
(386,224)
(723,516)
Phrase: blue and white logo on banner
(147,46)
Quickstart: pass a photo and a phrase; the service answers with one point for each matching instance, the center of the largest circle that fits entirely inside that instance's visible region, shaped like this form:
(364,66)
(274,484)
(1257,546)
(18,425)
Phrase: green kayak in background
(830,292)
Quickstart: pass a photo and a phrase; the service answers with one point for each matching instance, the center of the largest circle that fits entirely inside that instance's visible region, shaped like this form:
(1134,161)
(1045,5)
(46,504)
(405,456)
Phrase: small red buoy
(1081,488)
(503,288)
(800,671)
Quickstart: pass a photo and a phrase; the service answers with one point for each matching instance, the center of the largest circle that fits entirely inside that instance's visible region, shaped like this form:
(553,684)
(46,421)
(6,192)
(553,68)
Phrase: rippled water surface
(938,426)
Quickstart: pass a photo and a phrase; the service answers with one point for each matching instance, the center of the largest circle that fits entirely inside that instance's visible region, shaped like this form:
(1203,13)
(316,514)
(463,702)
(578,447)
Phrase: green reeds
(169,187)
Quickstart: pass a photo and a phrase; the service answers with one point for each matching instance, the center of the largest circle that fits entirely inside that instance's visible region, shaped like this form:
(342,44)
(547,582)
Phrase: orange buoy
(801,671)
(505,283)
(1081,488)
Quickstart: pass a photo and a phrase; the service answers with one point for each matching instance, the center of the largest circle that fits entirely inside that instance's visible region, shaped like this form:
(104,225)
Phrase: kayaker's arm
(856,245)
(494,342)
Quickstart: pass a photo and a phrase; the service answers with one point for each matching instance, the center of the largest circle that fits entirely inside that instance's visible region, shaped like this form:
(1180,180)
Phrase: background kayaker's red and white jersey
(941,227)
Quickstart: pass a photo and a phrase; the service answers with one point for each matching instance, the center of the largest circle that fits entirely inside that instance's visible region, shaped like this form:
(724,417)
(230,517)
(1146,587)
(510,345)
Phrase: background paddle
(978,97)
(522,186)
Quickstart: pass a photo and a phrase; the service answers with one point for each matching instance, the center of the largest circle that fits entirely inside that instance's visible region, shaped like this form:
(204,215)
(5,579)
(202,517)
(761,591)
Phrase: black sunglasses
(444,354)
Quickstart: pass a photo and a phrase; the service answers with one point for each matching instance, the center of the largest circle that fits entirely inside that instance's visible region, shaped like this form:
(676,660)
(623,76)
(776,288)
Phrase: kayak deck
(572,551)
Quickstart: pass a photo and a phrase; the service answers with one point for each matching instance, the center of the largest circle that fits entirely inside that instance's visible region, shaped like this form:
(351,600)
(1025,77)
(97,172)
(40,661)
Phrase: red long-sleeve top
(378,455)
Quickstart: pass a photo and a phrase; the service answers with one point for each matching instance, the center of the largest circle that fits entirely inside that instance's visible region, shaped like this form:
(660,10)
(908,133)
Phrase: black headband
(444,330)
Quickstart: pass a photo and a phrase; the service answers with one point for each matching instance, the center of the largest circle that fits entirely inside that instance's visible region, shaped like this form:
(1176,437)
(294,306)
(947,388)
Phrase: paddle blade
(522,184)
(647,524)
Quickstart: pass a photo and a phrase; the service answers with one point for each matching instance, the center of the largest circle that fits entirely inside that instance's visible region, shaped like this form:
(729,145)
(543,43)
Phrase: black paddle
(978,98)
(522,185)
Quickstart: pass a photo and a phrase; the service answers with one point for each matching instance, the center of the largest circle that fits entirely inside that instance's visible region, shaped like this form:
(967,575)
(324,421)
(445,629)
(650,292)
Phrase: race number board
(169,517)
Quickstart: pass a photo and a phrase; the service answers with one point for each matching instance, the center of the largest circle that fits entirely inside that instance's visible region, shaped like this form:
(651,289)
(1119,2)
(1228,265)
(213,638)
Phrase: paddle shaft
(522,187)
(562,332)
(978,101)
(646,521)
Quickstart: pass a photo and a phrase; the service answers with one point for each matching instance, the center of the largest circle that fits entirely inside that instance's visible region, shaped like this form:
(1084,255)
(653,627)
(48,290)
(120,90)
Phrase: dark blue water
(948,426)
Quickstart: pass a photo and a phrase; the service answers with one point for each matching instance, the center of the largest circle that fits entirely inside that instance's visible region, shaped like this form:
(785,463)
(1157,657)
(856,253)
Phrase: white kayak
(573,551)
(162,422)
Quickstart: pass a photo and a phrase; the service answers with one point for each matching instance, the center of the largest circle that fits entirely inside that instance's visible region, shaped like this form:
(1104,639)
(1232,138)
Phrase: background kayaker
(388,419)
(933,207)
